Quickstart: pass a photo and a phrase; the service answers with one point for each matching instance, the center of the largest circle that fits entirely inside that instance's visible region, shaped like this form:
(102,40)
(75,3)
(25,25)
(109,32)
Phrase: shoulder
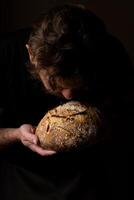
(21,35)
(13,55)
(13,41)
(12,47)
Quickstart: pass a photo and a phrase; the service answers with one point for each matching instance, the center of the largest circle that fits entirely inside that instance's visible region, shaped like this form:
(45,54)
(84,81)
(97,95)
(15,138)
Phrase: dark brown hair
(66,37)
(75,41)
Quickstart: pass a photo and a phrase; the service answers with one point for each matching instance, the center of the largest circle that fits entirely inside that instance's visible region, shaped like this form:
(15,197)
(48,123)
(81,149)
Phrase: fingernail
(51,152)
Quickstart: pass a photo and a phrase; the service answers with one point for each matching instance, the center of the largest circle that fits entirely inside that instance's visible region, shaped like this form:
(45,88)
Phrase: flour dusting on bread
(68,126)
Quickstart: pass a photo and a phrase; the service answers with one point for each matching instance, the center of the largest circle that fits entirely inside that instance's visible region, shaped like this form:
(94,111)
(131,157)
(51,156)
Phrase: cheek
(48,87)
(45,81)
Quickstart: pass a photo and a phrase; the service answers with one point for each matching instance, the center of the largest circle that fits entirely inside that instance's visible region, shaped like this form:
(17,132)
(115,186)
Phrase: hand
(30,140)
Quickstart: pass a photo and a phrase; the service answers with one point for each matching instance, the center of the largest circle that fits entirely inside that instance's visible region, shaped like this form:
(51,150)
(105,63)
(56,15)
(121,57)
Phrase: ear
(30,52)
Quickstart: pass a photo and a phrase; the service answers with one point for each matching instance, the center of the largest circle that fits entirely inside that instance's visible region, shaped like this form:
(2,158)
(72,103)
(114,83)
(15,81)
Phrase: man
(70,54)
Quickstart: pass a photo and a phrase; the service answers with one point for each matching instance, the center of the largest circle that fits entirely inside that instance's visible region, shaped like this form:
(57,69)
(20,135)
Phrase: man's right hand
(29,139)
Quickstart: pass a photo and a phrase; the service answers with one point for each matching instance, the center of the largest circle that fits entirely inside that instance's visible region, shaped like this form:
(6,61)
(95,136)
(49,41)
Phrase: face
(69,88)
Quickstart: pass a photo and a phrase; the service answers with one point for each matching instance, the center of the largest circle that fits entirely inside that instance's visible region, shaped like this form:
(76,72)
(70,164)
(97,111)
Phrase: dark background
(118,15)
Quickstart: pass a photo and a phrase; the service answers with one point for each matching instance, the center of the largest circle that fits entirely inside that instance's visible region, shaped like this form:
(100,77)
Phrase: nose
(67,93)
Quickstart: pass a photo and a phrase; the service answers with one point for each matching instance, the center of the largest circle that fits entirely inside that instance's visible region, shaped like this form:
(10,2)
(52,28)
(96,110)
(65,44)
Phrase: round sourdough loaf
(68,126)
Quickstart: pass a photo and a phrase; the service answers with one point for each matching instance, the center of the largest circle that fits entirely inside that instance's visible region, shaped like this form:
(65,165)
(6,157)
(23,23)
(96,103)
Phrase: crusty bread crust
(68,126)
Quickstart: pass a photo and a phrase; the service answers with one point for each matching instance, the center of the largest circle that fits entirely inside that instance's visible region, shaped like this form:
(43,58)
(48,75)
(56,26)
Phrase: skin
(63,87)
(26,133)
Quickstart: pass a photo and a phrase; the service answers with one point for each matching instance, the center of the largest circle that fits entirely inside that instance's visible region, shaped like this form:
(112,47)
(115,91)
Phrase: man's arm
(25,135)
(8,136)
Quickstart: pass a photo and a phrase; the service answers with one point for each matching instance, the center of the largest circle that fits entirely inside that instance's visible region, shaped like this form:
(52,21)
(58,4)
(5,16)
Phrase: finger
(31,138)
(41,151)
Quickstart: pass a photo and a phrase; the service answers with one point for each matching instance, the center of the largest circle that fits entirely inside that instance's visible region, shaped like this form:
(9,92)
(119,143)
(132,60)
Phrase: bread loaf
(68,126)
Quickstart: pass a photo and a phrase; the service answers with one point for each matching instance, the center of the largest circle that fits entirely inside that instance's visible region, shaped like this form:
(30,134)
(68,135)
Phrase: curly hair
(66,37)
(75,41)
